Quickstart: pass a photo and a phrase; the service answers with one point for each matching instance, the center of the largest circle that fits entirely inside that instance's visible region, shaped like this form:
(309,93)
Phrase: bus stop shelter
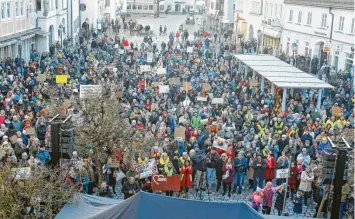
(280,74)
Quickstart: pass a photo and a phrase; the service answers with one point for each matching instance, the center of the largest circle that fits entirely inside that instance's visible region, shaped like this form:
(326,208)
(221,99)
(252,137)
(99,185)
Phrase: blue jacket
(43,156)
(307,137)
(240,165)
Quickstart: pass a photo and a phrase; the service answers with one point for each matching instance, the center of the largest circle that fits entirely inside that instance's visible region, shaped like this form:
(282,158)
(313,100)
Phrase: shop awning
(273,33)
(280,73)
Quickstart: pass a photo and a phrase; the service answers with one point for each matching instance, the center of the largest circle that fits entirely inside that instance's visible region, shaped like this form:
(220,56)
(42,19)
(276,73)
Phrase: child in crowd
(297,204)
(256,198)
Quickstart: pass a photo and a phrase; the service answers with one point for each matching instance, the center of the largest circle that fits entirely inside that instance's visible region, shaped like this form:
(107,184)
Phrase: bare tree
(36,196)
(103,122)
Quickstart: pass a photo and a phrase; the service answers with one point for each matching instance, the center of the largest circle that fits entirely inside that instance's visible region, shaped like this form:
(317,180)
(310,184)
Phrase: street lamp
(61,29)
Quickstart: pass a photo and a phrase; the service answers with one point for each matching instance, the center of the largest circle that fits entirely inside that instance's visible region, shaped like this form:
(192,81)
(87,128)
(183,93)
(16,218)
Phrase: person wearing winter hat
(256,198)
(268,192)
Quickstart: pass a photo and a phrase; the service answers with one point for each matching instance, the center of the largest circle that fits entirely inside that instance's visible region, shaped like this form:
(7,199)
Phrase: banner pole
(288,175)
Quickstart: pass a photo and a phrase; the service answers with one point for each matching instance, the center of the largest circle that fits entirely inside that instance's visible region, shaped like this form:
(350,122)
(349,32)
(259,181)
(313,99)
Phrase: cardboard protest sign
(13,139)
(41,77)
(220,143)
(337,111)
(206,86)
(179,133)
(253,83)
(187,85)
(190,49)
(166,183)
(148,170)
(61,79)
(21,173)
(145,68)
(156,84)
(119,94)
(199,98)
(30,131)
(113,163)
(174,81)
(217,101)
(90,91)
(137,53)
(163,89)
(161,71)
(282,173)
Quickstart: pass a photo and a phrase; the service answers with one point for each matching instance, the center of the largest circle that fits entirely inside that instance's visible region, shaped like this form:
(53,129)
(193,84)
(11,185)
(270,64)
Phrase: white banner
(199,98)
(217,101)
(90,91)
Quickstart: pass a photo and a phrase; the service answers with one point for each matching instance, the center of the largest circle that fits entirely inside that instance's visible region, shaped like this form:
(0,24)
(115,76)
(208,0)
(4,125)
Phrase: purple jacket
(230,177)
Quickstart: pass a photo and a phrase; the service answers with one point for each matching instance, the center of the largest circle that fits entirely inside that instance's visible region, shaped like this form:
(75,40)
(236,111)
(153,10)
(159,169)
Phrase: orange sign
(166,183)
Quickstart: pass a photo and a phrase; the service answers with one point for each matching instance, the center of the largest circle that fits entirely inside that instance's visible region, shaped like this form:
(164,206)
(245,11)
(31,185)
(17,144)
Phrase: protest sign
(156,84)
(282,173)
(116,46)
(206,86)
(220,143)
(113,163)
(150,58)
(137,53)
(179,132)
(21,173)
(201,98)
(182,120)
(41,77)
(253,83)
(163,89)
(337,111)
(76,163)
(217,101)
(187,85)
(161,71)
(121,51)
(190,49)
(30,131)
(147,170)
(61,79)
(90,91)
(174,81)
(186,102)
(145,68)
(166,183)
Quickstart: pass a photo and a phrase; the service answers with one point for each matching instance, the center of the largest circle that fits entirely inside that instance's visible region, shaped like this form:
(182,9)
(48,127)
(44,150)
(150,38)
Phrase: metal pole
(262,38)
(288,175)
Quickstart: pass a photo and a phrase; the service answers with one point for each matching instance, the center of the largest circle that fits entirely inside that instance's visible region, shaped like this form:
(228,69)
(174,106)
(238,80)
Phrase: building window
(16,9)
(233,7)
(267,9)
(3,8)
(161,8)
(151,7)
(145,7)
(140,7)
(341,23)
(259,8)
(309,18)
(212,5)
(324,20)
(280,11)
(134,7)
(56,4)
(300,17)
(9,9)
(290,18)
(352,30)
(21,7)
(270,11)
(128,6)
(275,10)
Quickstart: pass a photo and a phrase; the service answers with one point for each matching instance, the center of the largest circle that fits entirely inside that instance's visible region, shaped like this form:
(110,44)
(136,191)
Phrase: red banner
(166,183)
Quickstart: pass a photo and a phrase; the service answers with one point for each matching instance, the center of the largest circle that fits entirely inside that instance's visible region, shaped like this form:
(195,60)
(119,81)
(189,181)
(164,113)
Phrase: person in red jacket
(186,177)
(292,180)
(270,167)
(177,36)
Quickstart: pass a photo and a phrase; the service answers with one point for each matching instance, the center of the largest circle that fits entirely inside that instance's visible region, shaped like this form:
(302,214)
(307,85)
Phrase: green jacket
(196,122)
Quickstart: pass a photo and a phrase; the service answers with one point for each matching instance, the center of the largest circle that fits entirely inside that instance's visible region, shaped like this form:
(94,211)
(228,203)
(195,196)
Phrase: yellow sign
(61,79)
(326,49)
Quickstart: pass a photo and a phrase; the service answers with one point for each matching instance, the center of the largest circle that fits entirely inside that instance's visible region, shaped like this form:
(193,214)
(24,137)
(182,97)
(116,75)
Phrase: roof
(340,4)
(280,73)
(13,38)
(152,206)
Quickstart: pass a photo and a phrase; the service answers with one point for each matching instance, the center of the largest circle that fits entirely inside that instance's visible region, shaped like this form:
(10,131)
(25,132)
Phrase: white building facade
(141,6)
(320,29)
(257,17)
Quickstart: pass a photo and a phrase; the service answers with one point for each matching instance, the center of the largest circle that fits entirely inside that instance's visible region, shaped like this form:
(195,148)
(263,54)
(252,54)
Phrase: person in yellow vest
(330,121)
(142,159)
(169,170)
(293,130)
(261,128)
(164,159)
(185,156)
(279,125)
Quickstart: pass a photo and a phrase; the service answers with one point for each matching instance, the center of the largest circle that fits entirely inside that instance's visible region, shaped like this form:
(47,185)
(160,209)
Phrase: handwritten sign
(217,101)
(90,91)
(187,85)
(174,81)
(61,79)
(145,68)
(206,86)
(161,71)
(282,173)
(253,83)
(179,133)
(41,77)
(156,84)
(199,98)
(163,89)
(190,49)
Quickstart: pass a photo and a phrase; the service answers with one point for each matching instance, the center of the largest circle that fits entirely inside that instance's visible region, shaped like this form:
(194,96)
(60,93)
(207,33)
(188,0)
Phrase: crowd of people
(231,146)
